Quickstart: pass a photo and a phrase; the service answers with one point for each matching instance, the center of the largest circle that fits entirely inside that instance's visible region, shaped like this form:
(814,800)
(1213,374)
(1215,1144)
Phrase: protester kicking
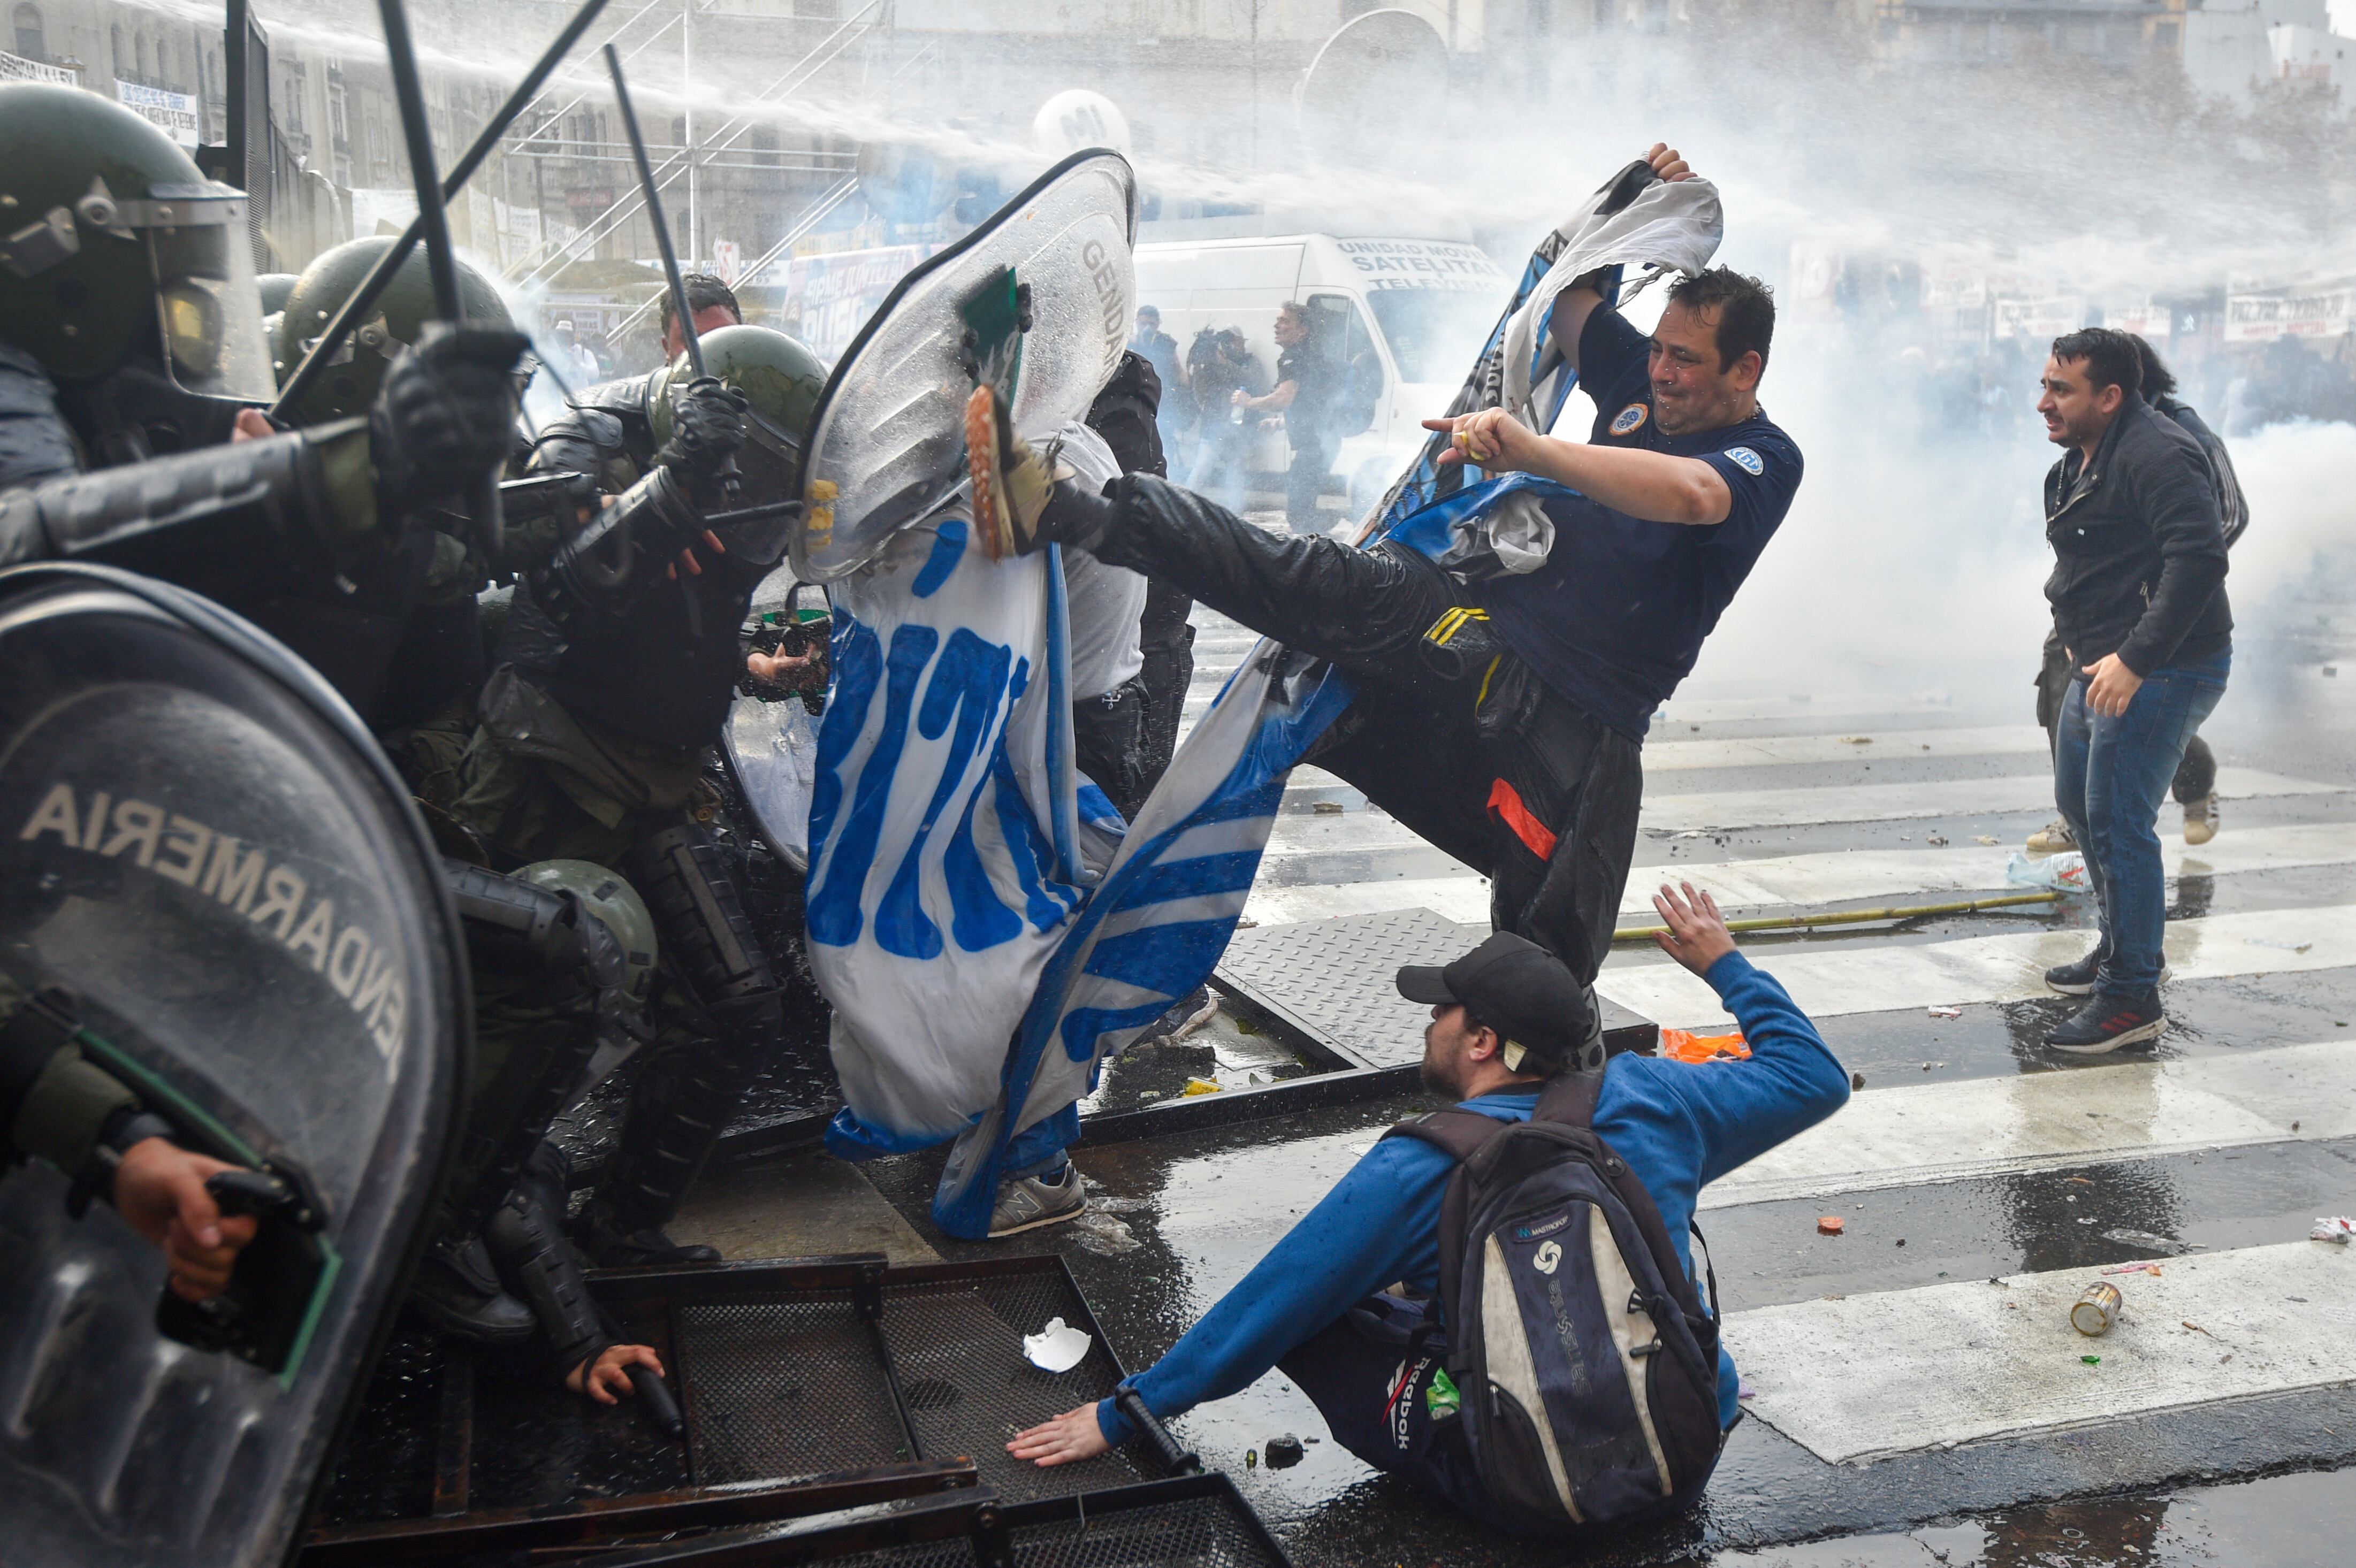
(1524,759)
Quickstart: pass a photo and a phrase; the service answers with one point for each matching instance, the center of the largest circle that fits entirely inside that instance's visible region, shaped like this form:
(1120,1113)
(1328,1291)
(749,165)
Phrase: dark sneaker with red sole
(2107,1023)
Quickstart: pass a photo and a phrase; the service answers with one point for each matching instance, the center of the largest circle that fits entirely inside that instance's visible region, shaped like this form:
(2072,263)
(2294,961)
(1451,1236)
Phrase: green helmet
(276,287)
(780,376)
(352,377)
(112,244)
(613,900)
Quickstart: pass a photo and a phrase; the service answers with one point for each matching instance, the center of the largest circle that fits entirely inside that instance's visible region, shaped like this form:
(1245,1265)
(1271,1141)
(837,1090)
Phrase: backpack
(1586,1367)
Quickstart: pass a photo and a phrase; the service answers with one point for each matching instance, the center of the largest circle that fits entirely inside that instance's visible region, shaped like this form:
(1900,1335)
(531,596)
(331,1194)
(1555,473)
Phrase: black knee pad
(699,915)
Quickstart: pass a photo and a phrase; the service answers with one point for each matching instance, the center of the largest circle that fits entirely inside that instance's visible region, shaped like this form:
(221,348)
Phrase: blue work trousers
(2109,777)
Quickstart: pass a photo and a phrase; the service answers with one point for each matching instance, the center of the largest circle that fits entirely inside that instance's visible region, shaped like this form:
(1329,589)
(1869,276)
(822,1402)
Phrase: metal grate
(958,1345)
(1211,1531)
(785,1388)
(1336,979)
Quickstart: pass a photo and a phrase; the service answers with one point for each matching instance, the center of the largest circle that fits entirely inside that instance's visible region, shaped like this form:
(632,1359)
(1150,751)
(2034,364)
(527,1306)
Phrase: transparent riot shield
(211,870)
(887,442)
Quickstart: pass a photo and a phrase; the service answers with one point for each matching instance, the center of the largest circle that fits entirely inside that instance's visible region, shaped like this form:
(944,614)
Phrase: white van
(1412,313)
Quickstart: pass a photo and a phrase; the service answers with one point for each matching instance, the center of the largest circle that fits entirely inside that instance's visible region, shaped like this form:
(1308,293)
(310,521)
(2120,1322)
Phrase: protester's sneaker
(1027,1203)
(2078,979)
(2107,1023)
(2054,839)
(2200,819)
(2075,979)
(1012,482)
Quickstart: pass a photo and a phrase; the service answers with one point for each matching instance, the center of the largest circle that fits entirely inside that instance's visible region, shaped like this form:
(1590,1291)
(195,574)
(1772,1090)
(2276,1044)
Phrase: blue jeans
(2109,777)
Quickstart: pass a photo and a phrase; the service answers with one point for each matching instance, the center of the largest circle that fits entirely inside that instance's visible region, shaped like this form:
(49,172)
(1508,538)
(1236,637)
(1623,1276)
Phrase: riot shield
(771,738)
(887,442)
(210,867)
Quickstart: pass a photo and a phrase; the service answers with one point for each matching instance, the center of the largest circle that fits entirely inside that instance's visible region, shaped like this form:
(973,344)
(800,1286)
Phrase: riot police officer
(616,670)
(131,334)
(561,953)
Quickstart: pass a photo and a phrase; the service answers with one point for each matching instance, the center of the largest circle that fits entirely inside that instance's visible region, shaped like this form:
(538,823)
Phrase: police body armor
(607,626)
(215,874)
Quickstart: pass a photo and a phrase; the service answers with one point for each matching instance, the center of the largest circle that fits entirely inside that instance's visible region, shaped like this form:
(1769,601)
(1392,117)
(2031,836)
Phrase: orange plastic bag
(1677,1045)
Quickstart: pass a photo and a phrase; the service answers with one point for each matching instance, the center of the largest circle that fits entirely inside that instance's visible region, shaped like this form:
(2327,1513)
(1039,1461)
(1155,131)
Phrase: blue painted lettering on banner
(968,682)
(858,659)
(949,548)
(834,915)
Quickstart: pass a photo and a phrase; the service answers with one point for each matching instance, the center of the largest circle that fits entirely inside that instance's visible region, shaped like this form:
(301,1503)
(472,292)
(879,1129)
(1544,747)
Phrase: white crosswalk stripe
(1833,876)
(1872,1375)
(1995,968)
(1867,1377)
(1904,802)
(1992,1127)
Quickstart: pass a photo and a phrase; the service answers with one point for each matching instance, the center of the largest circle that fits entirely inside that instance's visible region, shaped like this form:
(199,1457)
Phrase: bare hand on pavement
(1067,1439)
(1696,936)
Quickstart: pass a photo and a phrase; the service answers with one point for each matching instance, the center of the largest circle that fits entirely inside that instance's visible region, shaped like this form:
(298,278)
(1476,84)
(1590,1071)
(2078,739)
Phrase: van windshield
(1434,333)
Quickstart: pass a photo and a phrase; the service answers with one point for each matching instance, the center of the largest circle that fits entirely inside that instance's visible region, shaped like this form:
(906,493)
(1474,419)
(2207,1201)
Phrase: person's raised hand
(1491,439)
(2111,686)
(609,1374)
(253,424)
(1668,162)
(1066,1440)
(159,1190)
(1697,936)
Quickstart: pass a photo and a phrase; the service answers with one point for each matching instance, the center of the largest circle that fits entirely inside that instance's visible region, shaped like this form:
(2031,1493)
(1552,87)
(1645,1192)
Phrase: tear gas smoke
(1912,562)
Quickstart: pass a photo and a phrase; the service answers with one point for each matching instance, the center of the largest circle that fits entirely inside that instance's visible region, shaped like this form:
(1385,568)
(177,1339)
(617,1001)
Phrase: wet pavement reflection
(2281,1521)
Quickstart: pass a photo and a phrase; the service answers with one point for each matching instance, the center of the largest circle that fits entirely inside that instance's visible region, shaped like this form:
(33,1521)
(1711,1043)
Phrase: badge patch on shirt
(1750,462)
(1630,420)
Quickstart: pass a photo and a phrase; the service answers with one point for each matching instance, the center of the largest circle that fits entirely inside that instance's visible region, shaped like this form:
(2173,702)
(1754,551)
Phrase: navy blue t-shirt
(1616,616)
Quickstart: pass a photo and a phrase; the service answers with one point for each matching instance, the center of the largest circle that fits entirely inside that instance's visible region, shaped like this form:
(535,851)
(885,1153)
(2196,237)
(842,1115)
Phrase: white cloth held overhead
(1671,226)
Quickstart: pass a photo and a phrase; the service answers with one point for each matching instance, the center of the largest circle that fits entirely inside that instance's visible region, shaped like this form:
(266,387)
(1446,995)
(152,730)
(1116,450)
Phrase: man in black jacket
(2138,599)
(2196,777)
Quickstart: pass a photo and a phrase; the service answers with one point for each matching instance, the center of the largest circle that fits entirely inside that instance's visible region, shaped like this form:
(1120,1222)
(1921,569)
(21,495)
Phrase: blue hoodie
(1679,1125)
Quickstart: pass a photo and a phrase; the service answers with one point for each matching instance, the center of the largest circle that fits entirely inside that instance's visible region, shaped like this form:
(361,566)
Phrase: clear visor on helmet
(208,306)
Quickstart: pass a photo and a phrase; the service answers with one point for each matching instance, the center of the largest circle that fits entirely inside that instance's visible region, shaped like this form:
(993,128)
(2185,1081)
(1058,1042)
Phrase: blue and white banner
(986,931)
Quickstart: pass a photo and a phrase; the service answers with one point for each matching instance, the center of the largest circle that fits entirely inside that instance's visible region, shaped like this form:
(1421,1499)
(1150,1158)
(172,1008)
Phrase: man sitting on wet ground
(1505,1019)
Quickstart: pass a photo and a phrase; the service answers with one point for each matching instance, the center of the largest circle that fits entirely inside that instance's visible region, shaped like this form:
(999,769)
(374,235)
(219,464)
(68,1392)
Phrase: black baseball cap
(1516,987)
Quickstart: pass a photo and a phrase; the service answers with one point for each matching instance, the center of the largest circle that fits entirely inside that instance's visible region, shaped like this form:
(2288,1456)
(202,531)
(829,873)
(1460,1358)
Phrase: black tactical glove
(707,428)
(445,419)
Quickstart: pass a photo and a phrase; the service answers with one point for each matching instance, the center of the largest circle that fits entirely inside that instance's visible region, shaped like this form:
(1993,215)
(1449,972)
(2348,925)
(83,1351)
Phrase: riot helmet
(611,899)
(356,369)
(275,288)
(780,376)
(114,247)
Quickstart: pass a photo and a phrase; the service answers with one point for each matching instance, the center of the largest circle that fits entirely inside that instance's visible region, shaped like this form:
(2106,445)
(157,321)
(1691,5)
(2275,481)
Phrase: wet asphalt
(1174,1222)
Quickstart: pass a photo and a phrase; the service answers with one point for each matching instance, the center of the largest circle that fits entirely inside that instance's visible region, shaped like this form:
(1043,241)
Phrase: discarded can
(2096,1310)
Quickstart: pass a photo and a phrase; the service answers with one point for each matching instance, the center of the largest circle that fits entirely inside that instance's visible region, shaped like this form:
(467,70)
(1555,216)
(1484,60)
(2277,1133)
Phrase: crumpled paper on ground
(1057,1347)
